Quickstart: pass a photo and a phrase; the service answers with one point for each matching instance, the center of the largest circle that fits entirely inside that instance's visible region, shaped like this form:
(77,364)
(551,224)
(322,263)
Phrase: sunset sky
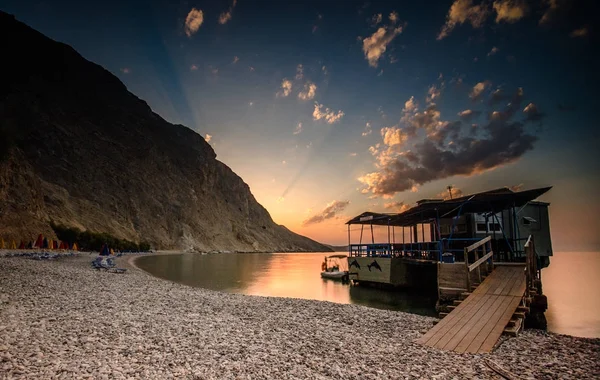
(328,109)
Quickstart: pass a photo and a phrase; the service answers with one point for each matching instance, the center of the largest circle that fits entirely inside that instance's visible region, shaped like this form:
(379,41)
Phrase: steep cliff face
(79,149)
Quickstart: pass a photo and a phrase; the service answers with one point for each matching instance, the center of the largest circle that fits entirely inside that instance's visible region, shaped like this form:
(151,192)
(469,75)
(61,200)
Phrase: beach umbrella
(13,245)
(50,244)
(55,244)
(39,242)
(45,243)
(75,247)
(104,251)
(62,245)
(1,243)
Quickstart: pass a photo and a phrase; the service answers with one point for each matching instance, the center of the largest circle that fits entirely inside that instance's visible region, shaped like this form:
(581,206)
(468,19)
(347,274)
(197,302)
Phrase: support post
(349,245)
(372,235)
(467,270)
(362,226)
(476,252)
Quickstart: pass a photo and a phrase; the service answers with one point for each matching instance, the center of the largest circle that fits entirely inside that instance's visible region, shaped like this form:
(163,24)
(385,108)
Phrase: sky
(328,109)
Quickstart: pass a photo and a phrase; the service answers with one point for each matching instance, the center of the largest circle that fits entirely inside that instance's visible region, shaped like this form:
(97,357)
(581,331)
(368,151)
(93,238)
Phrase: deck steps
(514,330)
(519,314)
(456,302)
(443,314)
(523,309)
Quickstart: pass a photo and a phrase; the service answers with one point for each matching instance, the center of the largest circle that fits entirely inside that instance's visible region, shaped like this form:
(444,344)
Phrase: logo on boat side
(375,265)
(355,264)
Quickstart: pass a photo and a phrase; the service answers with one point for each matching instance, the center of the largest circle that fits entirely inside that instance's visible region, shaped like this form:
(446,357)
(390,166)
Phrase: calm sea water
(295,275)
(571,284)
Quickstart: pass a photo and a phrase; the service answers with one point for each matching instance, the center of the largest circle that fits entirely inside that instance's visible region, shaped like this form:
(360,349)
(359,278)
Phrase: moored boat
(330,268)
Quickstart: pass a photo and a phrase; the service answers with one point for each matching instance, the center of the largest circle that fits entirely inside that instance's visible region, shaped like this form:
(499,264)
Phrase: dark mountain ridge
(77,148)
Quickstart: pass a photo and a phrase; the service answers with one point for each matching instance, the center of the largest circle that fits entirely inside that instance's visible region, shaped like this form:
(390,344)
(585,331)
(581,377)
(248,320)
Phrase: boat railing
(425,251)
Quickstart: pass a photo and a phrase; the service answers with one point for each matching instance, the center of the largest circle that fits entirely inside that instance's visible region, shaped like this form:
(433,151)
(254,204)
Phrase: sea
(571,283)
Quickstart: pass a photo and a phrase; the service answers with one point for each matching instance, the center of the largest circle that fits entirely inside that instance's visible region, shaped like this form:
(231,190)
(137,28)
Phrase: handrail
(480,261)
(478,244)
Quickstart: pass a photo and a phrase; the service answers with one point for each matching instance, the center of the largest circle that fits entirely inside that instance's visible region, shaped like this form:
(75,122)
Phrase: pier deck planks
(476,324)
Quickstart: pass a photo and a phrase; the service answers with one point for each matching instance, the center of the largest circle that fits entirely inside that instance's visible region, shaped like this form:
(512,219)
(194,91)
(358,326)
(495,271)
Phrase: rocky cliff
(78,148)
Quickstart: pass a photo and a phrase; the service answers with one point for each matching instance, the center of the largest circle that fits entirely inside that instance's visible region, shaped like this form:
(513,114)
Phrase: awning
(493,201)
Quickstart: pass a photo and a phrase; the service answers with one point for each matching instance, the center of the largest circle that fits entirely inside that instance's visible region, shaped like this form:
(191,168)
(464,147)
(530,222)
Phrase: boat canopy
(427,210)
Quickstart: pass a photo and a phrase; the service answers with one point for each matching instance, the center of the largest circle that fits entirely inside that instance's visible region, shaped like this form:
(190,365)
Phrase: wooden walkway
(476,323)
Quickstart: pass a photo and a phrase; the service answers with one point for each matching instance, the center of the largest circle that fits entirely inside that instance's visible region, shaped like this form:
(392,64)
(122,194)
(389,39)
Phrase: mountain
(77,148)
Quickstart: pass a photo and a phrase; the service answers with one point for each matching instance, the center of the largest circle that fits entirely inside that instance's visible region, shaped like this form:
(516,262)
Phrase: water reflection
(294,275)
(570,283)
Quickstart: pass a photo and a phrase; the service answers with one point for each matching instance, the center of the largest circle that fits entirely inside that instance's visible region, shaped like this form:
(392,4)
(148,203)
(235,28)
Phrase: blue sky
(347,71)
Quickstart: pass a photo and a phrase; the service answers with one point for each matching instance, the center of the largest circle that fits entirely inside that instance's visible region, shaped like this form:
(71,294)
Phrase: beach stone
(87,324)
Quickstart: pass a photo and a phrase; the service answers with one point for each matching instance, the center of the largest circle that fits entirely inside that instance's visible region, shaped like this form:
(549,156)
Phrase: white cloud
(468,115)
(193,67)
(226,16)
(330,211)
(376,45)
(368,130)
(299,72)
(194,19)
(581,32)
(329,115)
(235,59)
(509,10)
(432,94)
(376,19)
(352,154)
(298,129)
(393,136)
(551,11)
(393,17)
(310,89)
(463,11)
(410,105)
(478,90)
(208,137)
(286,88)
(125,70)
(396,206)
(493,51)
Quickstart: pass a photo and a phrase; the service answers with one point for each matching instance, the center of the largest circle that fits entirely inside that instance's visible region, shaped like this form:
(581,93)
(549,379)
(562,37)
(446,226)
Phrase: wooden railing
(483,243)
(531,271)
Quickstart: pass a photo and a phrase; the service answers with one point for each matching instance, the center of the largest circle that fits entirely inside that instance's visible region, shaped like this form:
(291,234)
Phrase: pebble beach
(62,319)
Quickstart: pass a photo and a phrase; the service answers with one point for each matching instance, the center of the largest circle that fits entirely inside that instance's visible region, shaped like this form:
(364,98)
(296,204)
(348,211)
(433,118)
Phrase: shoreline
(62,318)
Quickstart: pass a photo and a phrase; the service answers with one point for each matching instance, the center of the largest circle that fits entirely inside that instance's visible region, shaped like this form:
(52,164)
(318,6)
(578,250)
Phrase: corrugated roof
(489,201)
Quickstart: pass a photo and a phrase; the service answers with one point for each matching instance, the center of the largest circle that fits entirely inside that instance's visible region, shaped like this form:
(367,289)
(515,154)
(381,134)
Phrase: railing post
(491,259)
(467,270)
(477,258)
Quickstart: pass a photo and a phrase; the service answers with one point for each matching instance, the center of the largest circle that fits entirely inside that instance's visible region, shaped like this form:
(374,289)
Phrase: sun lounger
(107,264)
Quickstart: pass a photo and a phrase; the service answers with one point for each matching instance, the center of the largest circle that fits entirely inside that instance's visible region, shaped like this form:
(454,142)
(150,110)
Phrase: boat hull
(340,276)
(393,271)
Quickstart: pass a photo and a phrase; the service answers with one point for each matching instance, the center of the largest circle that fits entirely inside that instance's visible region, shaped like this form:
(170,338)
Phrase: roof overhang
(493,201)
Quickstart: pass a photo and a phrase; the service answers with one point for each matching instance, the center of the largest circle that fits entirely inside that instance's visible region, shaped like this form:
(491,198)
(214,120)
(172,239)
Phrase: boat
(330,268)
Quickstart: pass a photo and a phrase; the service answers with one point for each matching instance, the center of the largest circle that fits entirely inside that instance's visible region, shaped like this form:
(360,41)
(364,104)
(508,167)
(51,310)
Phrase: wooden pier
(477,322)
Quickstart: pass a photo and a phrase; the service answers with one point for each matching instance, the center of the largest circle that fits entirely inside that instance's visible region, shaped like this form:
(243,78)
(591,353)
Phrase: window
(495,227)
(480,227)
